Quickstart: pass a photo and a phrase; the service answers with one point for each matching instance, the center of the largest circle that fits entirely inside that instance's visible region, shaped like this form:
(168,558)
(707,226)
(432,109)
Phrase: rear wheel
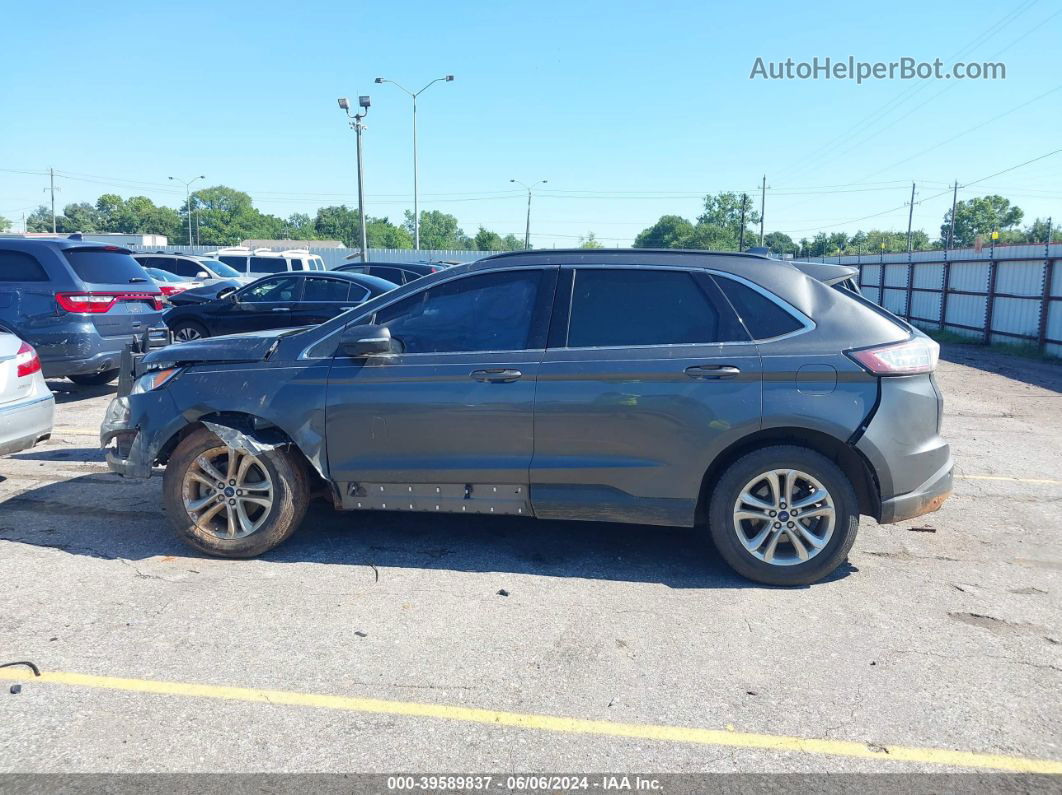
(94,379)
(189,330)
(784,515)
(231,503)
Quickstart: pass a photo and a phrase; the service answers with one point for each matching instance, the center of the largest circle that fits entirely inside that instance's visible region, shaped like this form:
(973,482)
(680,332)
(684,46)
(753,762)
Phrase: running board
(498,498)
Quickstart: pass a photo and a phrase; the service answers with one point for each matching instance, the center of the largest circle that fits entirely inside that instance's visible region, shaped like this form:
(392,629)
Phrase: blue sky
(630,110)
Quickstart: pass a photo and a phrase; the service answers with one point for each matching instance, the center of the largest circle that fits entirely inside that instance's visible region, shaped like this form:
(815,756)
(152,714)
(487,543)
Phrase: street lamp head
(449,78)
(344,103)
(363,101)
(512,180)
(171,178)
(379,80)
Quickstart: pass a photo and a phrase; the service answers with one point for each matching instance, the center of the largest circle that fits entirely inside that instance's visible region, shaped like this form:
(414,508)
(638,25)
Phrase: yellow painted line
(551,723)
(1007,478)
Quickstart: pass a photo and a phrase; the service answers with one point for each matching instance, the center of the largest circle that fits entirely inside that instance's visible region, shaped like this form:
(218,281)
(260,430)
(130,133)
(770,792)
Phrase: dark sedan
(397,272)
(281,301)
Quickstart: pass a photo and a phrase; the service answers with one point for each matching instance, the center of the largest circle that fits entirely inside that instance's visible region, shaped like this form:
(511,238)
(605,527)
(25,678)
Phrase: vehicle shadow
(101,515)
(77,454)
(1041,373)
(69,392)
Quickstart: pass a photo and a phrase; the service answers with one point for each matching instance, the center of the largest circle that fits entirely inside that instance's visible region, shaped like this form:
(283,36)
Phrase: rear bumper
(77,348)
(925,499)
(23,425)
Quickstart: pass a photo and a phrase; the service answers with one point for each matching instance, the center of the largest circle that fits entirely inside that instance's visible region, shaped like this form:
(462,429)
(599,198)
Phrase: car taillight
(95,303)
(169,289)
(917,355)
(27,362)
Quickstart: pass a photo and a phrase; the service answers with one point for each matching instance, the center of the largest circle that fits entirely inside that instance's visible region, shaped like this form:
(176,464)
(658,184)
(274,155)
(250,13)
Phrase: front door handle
(281,308)
(499,376)
(713,372)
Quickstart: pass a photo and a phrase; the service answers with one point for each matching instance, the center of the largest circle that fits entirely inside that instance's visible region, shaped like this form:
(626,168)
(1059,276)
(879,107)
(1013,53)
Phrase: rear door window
(762,317)
(318,289)
(393,275)
(103,266)
(625,307)
(268,265)
(184,267)
(17,266)
(239,263)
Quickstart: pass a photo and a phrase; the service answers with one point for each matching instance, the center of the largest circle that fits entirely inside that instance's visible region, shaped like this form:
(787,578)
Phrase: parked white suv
(263,261)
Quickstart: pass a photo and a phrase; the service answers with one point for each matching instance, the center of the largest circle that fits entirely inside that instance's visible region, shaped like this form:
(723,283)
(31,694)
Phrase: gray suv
(752,397)
(77,303)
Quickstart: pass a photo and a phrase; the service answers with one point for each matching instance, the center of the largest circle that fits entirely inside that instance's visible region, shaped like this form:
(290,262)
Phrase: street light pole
(188,201)
(358,127)
(416,194)
(527,229)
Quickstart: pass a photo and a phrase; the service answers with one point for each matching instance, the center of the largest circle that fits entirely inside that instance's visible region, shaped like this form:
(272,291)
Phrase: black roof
(59,242)
(607,252)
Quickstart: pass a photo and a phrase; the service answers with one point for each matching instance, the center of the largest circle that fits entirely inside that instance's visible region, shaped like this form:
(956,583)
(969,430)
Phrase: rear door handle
(281,308)
(713,372)
(500,376)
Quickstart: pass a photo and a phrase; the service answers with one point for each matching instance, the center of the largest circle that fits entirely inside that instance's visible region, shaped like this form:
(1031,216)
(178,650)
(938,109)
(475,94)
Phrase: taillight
(96,303)
(169,289)
(917,355)
(27,362)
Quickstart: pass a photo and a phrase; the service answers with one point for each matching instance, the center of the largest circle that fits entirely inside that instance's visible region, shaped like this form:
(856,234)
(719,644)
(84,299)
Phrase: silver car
(27,406)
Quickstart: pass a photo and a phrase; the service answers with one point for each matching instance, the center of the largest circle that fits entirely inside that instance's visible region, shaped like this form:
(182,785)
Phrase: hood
(254,346)
(200,295)
(827,273)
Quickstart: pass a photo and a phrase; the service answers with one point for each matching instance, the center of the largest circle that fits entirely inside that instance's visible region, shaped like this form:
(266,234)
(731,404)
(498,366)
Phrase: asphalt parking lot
(424,643)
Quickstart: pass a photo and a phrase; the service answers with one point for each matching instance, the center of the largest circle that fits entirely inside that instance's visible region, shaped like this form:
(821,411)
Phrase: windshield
(220,268)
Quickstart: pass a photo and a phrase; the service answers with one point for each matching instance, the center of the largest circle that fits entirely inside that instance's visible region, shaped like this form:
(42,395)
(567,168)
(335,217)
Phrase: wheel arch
(851,462)
(254,430)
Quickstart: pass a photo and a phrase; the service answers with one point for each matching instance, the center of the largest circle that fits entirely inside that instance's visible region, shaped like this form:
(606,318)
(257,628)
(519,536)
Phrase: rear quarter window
(762,317)
(17,266)
(268,265)
(101,266)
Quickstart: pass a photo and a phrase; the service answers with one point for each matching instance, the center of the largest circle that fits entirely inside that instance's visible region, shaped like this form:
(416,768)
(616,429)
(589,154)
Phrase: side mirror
(359,342)
(226,293)
(202,275)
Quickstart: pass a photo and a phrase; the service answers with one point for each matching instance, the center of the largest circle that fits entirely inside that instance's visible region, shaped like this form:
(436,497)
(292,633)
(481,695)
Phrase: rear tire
(94,379)
(823,529)
(268,500)
(189,331)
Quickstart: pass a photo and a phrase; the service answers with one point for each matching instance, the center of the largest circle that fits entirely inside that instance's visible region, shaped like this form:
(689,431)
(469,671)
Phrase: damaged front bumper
(135,428)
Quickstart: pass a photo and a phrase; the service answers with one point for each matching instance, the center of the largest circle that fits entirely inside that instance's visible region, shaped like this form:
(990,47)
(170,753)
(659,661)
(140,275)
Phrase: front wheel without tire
(94,379)
(230,503)
(784,515)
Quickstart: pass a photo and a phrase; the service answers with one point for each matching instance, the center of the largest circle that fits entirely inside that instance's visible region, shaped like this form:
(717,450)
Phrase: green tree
(513,243)
(590,241)
(227,216)
(438,230)
(713,237)
(980,216)
(1037,232)
(383,234)
(299,226)
(780,243)
(671,231)
(40,220)
(338,223)
(724,210)
(485,240)
(136,215)
(4,224)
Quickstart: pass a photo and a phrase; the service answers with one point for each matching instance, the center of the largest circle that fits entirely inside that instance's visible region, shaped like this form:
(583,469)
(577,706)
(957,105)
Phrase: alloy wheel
(784,517)
(187,334)
(227,492)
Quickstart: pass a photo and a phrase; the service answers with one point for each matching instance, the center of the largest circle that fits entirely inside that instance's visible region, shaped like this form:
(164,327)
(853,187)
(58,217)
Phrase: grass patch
(1021,350)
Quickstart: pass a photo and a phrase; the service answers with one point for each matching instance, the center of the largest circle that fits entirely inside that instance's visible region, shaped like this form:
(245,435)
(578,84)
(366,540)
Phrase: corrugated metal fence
(1009,294)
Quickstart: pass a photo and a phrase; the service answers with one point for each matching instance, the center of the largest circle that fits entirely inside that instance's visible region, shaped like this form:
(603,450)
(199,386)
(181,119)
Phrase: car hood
(253,346)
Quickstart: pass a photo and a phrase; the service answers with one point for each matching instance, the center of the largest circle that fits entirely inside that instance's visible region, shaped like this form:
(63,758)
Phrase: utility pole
(763,203)
(51,176)
(527,229)
(954,202)
(910,217)
(741,234)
